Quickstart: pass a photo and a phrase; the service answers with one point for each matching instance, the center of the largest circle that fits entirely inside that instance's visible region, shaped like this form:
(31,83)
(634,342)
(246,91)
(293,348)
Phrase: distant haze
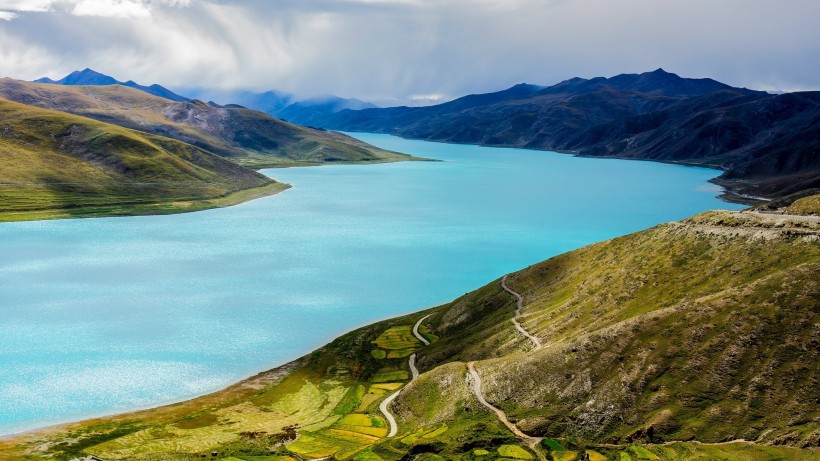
(410,51)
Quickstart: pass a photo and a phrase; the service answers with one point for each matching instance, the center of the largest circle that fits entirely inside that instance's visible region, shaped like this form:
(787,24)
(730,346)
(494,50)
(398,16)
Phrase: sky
(410,51)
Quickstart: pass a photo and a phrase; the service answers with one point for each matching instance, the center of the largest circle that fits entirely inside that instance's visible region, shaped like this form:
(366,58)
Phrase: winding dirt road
(475,386)
(518,305)
(394,428)
(416,331)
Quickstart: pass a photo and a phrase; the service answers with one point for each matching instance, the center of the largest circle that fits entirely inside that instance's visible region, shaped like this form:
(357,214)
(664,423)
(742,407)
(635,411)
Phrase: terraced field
(397,342)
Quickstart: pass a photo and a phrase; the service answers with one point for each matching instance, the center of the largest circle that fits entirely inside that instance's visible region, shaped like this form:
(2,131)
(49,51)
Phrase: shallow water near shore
(111,314)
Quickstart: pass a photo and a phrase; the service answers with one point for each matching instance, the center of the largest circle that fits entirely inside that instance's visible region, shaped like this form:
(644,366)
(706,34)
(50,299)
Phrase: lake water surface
(112,314)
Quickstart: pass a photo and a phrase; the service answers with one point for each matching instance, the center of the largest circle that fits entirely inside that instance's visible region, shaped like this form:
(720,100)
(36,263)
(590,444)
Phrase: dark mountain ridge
(766,144)
(91,77)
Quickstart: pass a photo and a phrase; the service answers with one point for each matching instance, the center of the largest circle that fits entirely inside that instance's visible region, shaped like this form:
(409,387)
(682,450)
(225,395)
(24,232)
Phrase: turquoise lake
(111,314)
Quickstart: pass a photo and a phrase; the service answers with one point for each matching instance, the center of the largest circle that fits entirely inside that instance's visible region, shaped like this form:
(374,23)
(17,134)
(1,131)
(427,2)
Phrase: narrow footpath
(474,378)
(518,305)
(394,428)
(475,386)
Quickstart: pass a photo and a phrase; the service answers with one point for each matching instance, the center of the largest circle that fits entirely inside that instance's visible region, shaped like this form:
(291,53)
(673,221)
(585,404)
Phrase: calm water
(105,315)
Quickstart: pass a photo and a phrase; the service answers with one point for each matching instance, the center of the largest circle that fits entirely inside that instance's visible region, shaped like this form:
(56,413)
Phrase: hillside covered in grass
(58,165)
(251,138)
(691,340)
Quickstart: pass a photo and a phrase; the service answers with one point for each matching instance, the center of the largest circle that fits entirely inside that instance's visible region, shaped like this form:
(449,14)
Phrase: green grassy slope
(703,329)
(691,332)
(249,137)
(54,164)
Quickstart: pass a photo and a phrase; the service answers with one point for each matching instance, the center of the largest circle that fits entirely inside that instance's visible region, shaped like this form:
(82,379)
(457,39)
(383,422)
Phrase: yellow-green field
(398,342)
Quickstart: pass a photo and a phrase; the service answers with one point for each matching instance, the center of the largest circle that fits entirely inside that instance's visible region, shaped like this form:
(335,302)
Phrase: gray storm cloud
(410,49)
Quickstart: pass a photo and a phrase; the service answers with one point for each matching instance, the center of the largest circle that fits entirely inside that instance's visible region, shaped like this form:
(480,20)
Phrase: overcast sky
(380,50)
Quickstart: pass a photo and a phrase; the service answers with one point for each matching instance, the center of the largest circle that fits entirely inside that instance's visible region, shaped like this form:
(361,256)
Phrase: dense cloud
(410,49)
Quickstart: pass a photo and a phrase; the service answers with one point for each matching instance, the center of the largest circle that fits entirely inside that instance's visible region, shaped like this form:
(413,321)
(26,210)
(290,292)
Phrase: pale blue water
(107,315)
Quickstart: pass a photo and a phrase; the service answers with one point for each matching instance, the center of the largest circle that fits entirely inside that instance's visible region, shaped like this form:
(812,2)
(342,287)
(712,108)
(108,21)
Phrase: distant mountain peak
(87,76)
(90,76)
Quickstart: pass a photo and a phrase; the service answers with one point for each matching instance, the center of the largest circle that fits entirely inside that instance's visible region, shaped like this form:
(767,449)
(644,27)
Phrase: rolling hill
(768,145)
(251,138)
(58,165)
(691,340)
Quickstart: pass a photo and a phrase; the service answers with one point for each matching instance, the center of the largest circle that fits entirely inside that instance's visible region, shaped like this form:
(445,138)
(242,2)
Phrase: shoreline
(258,375)
(148,209)
(727,195)
(187,206)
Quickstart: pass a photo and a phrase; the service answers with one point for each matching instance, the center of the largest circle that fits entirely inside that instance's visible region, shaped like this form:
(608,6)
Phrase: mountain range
(767,145)
(272,102)
(91,77)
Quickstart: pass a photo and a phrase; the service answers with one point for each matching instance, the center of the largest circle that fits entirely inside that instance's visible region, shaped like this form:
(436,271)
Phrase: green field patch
(340,444)
(388,376)
(400,353)
(378,354)
(552,444)
(366,430)
(196,420)
(358,419)
(331,420)
(428,335)
(314,446)
(624,456)
(265,458)
(480,452)
(563,455)
(642,453)
(367,455)
(354,436)
(385,387)
(595,456)
(426,433)
(369,399)
(398,341)
(513,451)
(351,400)
(363,424)
(436,433)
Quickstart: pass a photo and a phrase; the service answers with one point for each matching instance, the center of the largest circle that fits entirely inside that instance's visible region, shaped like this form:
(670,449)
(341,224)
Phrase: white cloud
(26,5)
(426,97)
(99,8)
(111,8)
(384,49)
(7,15)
